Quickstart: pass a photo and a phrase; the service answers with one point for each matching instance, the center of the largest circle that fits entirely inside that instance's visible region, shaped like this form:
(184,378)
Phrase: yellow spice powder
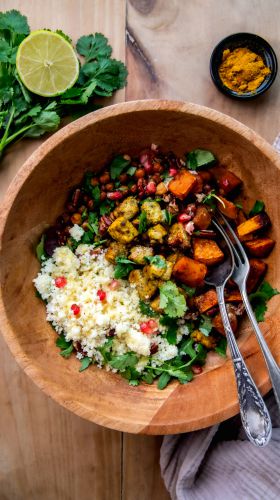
(242,70)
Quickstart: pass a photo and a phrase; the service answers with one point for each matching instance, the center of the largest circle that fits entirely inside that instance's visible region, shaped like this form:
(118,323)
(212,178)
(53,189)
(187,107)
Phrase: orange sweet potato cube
(182,184)
(259,221)
(207,251)
(260,247)
(228,208)
(189,271)
(226,180)
(206,301)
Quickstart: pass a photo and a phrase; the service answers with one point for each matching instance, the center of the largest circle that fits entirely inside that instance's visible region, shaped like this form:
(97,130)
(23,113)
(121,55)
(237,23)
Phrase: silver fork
(239,275)
(254,414)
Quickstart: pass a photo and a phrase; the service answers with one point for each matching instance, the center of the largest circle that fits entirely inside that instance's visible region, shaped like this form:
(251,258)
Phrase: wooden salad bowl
(37,196)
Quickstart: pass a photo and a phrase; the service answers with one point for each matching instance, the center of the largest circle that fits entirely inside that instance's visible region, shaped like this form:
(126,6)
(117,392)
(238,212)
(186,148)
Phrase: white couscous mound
(88,305)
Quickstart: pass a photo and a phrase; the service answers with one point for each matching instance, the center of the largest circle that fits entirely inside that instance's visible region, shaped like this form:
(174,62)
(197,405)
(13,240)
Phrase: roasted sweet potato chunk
(226,180)
(182,184)
(259,221)
(257,271)
(260,247)
(233,296)
(206,301)
(228,208)
(202,218)
(207,251)
(218,324)
(189,271)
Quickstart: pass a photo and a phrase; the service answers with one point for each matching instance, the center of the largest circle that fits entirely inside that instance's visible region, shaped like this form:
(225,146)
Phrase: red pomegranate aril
(116,195)
(133,189)
(148,166)
(114,285)
(153,348)
(173,171)
(101,294)
(75,309)
(151,187)
(144,327)
(183,218)
(152,324)
(90,204)
(60,281)
(196,369)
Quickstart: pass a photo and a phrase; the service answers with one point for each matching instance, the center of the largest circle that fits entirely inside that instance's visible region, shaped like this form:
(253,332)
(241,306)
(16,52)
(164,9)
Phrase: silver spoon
(253,411)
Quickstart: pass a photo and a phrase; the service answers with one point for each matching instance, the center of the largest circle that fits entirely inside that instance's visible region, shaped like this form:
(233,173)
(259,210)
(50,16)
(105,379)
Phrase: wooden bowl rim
(51,388)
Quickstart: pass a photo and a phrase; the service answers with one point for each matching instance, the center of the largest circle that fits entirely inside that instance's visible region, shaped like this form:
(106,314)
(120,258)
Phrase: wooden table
(47,452)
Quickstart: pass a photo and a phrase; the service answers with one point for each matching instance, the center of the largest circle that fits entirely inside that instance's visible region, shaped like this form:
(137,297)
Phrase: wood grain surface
(46,451)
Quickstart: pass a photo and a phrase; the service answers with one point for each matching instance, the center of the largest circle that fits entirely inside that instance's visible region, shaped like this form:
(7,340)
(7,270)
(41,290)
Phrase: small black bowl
(257,45)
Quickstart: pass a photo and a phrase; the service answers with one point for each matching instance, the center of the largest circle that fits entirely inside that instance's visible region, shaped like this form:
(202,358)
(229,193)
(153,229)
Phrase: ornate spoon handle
(254,414)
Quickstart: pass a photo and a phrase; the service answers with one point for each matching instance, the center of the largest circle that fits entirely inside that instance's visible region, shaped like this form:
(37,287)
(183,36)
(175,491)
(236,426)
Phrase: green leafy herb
(123,267)
(85,362)
(171,300)
(171,332)
(93,222)
(105,350)
(210,200)
(221,347)
(148,377)
(143,224)
(65,346)
(163,380)
(94,47)
(174,368)
(131,170)
(205,325)
(260,298)
(124,361)
(239,205)
(106,207)
(196,352)
(157,260)
(190,291)
(168,217)
(117,166)
(146,309)
(40,250)
(200,158)
(257,208)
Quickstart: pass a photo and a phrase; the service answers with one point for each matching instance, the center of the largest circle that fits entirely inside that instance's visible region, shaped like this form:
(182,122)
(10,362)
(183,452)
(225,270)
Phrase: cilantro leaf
(171,332)
(117,166)
(146,309)
(66,37)
(205,325)
(85,362)
(105,350)
(124,361)
(123,267)
(157,260)
(143,224)
(199,158)
(94,47)
(221,347)
(163,380)
(67,352)
(148,377)
(171,300)
(260,298)
(46,121)
(257,208)
(40,249)
(190,291)
(65,346)
(14,21)
(93,222)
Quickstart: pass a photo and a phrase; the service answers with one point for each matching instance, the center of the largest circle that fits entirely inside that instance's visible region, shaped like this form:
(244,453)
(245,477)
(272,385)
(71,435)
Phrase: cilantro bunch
(23,114)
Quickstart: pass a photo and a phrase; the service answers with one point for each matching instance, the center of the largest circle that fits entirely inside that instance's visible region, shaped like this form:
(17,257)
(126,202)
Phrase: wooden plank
(46,451)
(169,48)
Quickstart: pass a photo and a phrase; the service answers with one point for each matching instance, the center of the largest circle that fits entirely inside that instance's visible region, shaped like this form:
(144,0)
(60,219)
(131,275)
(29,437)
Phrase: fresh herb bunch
(23,114)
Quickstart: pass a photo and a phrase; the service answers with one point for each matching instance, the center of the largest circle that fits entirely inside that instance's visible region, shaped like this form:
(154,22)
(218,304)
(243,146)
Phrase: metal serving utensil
(254,414)
(239,275)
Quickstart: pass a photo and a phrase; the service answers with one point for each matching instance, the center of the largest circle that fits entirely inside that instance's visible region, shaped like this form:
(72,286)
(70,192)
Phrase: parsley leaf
(171,300)
(127,360)
(146,309)
(199,158)
(117,166)
(123,267)
(205,325)
(260,298)
(85,362)
(257,208)
(143,224)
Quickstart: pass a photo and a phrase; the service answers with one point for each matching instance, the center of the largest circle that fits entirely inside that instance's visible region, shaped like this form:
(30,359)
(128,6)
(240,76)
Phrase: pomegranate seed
(101,294)
(116,195)
(225,182)
(173,171)
(114,285)
(196,369)
(60,282)
(148,327)
(153,348)
(183,218)
(151,187)
(143,158)
(152,324)
(148,166)
(111,333)
(75,309)
(189,227)
(144,327)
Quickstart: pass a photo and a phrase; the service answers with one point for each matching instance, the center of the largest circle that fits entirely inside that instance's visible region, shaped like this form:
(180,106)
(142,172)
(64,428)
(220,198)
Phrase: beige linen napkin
(219,463)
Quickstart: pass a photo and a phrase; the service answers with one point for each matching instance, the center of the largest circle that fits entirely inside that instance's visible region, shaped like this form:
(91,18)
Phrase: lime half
(46,63)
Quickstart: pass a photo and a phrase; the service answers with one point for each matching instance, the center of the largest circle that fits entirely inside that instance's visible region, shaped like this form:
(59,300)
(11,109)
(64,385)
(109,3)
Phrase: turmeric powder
(242,70)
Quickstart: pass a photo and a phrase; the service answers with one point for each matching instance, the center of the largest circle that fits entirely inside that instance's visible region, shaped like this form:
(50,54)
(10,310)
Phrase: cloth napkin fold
(219,463)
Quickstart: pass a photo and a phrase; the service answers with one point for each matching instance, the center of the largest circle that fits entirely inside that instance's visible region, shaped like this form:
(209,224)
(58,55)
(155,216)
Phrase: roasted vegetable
(146,288)
(178,237)
(182,184)
(122,230)
(155,305)
(232,296)
(206,301)
(207,341)
(156,233)
(115,250)
(202,218)
(227,181)
(153,212)
(189,271)
(257,271)
(139,252)
(168,271)
(207,252)
(128,208)
(227,208)
(260,247)
(218,324)
(156,268)
(259,221)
